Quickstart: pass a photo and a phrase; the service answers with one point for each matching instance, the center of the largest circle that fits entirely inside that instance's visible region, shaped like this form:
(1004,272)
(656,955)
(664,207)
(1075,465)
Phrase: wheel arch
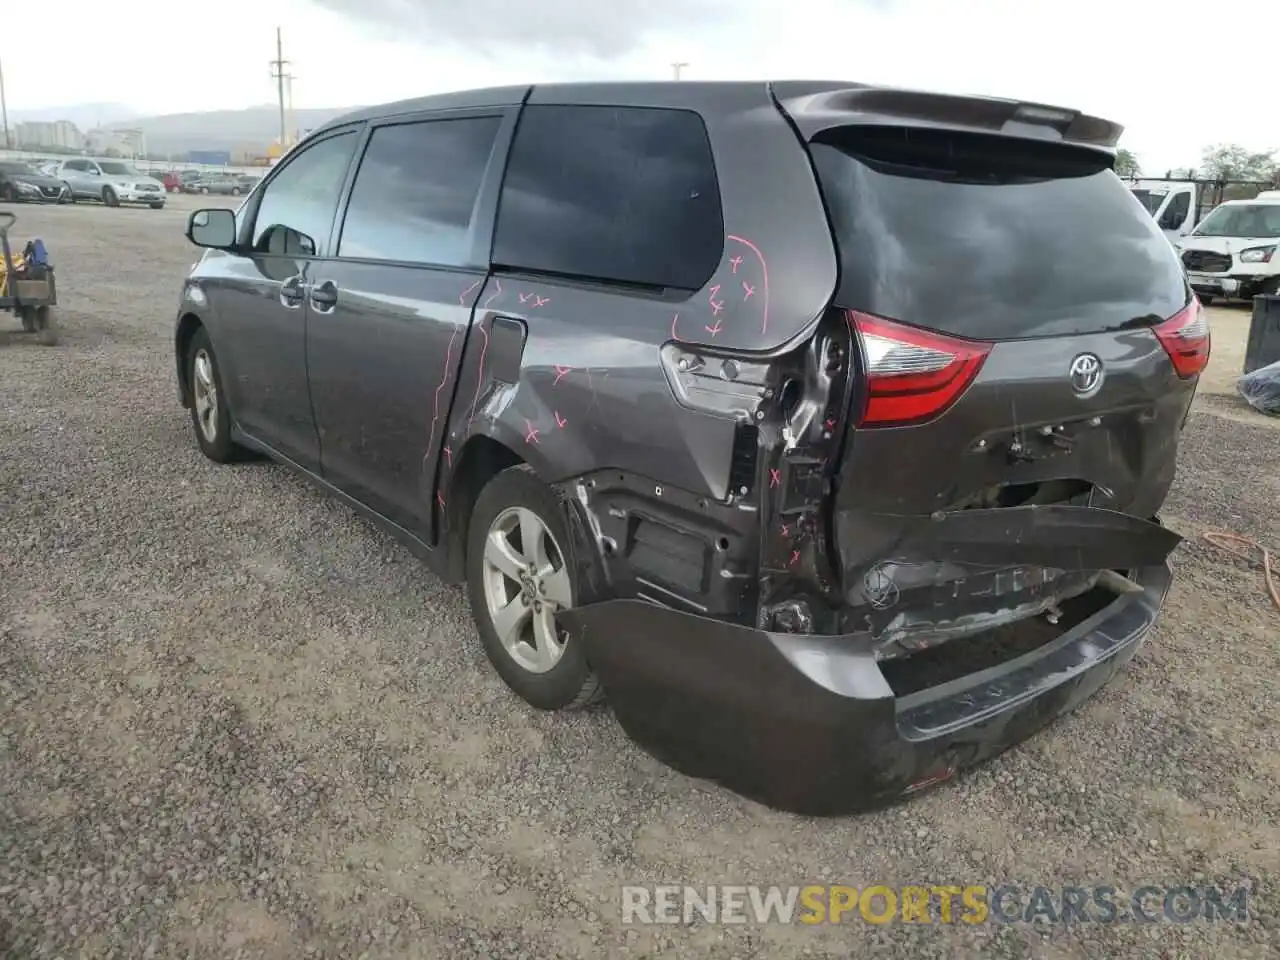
(480,460)
(188,324)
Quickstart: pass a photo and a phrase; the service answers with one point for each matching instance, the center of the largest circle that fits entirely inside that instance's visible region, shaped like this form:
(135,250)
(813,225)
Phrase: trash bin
(1264,333)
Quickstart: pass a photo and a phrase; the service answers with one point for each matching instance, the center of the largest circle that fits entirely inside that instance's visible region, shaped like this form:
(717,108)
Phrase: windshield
(9,166)
(118,169)
(1244,220)
(991,238)
(1149,200)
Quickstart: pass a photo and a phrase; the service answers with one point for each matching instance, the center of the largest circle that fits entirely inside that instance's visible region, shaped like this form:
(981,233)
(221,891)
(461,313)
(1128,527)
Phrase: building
(48,135)
(123,143)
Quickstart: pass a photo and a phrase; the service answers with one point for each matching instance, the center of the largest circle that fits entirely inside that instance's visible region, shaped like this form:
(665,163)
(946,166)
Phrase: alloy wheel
(526,582)
(206,395)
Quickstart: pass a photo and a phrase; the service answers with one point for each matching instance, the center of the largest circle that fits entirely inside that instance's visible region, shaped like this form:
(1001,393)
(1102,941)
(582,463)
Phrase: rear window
(990,239)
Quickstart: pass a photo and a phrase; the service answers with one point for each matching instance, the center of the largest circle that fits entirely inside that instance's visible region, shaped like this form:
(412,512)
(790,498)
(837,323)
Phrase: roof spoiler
(815,107)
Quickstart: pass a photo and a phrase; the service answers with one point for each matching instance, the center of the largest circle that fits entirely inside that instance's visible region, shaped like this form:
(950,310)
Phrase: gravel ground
(235,720)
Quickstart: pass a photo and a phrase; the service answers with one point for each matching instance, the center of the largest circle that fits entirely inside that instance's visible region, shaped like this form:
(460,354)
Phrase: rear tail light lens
(1185,337)
(913,375)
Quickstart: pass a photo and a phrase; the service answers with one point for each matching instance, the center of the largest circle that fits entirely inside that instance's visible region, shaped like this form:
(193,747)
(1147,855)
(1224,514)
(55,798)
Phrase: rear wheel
(109,197)
(7,193)
(210,417)
(157,206)
(519,575)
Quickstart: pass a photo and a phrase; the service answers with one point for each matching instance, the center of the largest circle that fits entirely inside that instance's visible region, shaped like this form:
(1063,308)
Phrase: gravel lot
(235,720)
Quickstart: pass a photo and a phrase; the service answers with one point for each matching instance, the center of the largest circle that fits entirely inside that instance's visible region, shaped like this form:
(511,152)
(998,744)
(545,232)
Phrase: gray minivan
(823,427)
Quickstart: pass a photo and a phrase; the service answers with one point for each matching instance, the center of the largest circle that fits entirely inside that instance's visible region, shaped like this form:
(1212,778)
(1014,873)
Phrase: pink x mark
(531,435)
(775,479)
(561,373)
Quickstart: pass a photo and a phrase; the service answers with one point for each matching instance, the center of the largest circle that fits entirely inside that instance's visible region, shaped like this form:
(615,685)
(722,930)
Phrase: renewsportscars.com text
(932,903)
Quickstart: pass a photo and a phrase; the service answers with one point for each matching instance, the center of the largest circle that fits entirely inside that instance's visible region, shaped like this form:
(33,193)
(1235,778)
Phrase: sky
(1143,63)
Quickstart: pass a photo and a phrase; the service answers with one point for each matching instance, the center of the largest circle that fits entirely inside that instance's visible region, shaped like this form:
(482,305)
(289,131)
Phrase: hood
(35,179)
(1225,244)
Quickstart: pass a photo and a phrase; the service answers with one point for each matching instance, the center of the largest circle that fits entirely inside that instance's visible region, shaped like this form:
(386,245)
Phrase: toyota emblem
(1086,374)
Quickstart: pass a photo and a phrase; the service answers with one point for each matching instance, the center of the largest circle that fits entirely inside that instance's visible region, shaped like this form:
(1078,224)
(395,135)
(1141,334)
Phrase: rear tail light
(1185,337)
(912,375)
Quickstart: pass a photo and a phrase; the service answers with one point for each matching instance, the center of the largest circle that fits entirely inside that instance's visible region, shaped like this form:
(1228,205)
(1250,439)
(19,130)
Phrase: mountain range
(249,128)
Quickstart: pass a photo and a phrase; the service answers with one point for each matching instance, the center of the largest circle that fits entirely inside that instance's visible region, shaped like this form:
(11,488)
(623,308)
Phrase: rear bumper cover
(808,724)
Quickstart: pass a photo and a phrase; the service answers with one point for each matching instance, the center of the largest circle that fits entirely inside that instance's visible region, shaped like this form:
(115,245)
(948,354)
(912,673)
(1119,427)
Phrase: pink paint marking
(531,435)
(716,307)
(737,262)
(764,270)
(440,498)
(716,329)
(831,423)
(560,421)
(775,478)
(786,531)
(674,335)
(540,301)
(525,297)
(484,348)
(747,290)
(561,373)
(795,557)
(444,377)
(462,297)
(448,455)
(493,296)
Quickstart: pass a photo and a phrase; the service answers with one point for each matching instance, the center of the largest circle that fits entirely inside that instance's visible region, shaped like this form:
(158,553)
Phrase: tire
(109,197)
(235,191)
(7,194)
(71,194)
(215,443)
(43,324)
(157,206)
(28,317)
(564,679)
(204,189)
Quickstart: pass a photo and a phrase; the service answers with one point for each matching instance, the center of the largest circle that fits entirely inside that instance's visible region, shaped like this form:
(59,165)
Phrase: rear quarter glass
(991,238)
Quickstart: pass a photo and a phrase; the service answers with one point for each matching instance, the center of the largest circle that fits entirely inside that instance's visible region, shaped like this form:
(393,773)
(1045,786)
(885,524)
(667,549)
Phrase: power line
(676,68)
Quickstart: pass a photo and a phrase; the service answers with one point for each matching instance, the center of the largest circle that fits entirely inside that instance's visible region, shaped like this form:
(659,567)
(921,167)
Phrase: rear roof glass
(991,238)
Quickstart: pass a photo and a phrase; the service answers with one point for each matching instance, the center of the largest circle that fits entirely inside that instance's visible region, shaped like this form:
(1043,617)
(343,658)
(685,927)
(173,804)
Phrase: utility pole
(4,109)
(278,74)
(676,68)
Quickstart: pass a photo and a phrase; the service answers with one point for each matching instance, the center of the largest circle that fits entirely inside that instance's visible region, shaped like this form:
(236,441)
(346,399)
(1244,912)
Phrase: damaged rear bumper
(809,724)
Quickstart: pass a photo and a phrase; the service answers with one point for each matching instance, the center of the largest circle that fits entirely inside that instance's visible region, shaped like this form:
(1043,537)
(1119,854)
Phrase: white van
(1233,251)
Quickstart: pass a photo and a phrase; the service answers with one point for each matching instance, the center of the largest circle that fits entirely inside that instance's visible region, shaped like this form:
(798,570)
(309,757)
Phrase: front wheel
(7,193)
(210,417)
(519,575)
(40,321)
(109,197)
(157,206)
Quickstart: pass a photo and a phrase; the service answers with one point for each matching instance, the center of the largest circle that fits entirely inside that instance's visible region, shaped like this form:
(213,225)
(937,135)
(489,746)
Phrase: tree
(1230,161)
(1127,163)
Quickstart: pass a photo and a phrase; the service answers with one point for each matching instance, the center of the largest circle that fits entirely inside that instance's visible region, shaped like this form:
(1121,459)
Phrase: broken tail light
(1185,337)
(913,375)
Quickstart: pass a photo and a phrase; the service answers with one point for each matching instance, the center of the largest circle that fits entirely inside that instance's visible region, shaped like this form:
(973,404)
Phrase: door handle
(291,292)
(324,296)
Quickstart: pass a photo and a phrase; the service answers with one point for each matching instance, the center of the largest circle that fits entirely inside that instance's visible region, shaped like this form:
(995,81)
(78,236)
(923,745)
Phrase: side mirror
(214,228)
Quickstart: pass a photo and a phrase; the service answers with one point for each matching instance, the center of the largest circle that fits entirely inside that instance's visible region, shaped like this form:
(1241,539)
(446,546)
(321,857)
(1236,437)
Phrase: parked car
(111,182)
(764,414)
(225,184)
(22,181)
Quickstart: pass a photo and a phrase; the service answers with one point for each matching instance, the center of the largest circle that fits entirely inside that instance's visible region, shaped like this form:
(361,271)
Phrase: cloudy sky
(1135,61)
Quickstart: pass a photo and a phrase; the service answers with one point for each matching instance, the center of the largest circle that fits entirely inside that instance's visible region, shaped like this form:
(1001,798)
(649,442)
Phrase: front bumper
(140,196)
(809,725)
(1242,285)
(33,194)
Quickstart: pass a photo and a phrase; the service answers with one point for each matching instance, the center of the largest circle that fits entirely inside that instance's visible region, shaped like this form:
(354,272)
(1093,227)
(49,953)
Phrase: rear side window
(415,191)
(986,238)
(615,194)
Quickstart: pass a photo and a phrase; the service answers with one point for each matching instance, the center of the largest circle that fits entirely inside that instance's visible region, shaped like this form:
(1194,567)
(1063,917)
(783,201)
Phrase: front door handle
(291,292)
(324,296)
